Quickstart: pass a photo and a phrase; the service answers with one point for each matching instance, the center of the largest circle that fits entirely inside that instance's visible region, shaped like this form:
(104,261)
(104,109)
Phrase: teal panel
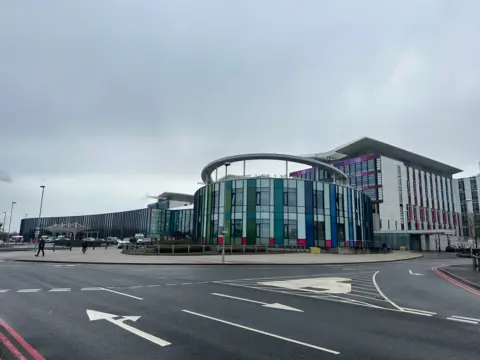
(278,185)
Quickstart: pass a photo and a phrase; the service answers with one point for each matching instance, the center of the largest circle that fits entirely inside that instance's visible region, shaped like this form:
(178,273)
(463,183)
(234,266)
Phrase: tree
(474,227)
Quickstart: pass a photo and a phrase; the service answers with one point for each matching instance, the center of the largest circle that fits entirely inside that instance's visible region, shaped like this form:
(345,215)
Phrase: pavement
(463,273)
(114,256)
(390,310)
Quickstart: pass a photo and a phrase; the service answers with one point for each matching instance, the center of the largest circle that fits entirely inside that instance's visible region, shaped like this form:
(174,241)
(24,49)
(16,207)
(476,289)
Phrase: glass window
(358,167)
(364,166)
(371,180)
(319,230)
(237,228)
(290,229)
(371,165)
(318,199)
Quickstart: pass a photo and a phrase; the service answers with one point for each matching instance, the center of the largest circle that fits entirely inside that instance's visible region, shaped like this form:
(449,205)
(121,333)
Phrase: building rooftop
(185,207)
(366,145)
(175,197)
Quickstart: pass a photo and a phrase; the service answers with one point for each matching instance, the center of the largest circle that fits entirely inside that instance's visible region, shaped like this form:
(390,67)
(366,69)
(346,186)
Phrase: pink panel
(301,242)
(220,241)
(203,241)
(272,242)
(347,243)
(328,243)
(244,241)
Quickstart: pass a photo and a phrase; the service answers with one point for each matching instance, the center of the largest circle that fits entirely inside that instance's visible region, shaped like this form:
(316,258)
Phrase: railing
(210,249)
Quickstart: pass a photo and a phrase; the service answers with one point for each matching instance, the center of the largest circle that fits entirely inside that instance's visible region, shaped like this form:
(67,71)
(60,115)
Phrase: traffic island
(463,273)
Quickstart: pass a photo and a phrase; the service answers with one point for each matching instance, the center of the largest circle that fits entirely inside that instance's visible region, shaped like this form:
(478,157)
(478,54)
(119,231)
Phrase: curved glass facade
(282,212)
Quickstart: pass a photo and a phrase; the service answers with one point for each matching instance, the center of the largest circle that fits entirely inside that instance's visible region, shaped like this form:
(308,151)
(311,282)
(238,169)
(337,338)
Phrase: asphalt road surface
(399,310)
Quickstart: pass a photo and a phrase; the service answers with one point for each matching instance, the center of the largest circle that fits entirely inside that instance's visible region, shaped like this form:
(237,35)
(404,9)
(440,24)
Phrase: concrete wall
(390,208)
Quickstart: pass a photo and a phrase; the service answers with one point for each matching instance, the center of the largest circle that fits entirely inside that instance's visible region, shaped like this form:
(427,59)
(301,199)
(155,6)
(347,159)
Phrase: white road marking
(4,290)
(153,285)
(97,315)
(264,304)
(290,277)
(381,292)
(463,320)
(135,287)
(264,333)
(421,311)
(91,289)
(59,290)
(120,293)
(186,284)
(203,282)
(412,273)
(322,285)
(170,284)
(28,290)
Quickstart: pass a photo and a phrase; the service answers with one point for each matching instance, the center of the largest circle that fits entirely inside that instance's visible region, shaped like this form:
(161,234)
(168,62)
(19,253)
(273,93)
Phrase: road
(370,311)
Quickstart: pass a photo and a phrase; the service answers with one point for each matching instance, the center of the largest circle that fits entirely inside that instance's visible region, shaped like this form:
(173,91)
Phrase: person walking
(41,247)
(84,246)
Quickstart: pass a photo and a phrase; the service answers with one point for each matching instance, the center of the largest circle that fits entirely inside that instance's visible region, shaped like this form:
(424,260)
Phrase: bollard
(158,249)
(188,247)
(173,249)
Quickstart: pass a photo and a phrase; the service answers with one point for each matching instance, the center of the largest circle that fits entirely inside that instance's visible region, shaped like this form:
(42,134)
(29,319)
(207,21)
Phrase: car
(121,243)
(144,241)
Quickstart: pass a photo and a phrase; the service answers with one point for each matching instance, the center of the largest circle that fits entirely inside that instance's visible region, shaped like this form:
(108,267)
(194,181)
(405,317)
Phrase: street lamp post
(4,219)
(224,233)
(40,213)
(11,215)
(226,171)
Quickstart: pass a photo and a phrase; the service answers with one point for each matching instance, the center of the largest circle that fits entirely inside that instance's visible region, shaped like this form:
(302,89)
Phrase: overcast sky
(105,101)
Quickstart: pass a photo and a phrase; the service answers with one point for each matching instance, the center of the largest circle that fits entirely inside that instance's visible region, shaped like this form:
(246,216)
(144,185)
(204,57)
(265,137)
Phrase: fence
(158,249)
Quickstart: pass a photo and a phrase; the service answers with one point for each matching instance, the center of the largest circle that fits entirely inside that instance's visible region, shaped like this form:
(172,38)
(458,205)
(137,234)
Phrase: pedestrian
(384,247)
(41,247)
(84,246)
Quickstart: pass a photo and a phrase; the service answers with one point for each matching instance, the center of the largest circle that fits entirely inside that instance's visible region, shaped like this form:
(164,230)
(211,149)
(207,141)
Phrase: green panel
(227,228)
(228,197)
(251,232)
(208,215)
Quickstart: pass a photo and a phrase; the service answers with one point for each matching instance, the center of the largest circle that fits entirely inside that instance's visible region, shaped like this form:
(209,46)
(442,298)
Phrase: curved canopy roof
(211,167)
(66,228)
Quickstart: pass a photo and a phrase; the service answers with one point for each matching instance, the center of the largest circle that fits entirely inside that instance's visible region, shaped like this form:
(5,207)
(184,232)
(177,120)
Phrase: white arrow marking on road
(412,273)
(98,315)
(273,305)
(323,285)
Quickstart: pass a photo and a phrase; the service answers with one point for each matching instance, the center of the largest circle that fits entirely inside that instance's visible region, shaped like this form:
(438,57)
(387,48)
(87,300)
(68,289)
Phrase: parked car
(144,241)
(120,243)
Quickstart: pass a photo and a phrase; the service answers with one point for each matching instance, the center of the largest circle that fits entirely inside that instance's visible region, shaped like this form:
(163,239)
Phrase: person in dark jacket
(41,247)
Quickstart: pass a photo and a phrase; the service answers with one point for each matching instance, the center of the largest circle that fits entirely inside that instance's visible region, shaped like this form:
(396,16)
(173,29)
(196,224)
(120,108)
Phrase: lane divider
(455,282)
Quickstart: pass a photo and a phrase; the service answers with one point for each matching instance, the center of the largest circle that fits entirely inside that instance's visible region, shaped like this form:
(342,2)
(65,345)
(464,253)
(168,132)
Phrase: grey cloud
(164,87)
(5,177)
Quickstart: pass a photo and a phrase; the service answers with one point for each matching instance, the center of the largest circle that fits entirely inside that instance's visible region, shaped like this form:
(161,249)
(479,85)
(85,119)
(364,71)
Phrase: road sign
(272,305)
(98,315)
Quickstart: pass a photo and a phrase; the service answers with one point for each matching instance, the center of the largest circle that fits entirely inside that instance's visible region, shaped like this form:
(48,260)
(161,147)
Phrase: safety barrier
(136,249)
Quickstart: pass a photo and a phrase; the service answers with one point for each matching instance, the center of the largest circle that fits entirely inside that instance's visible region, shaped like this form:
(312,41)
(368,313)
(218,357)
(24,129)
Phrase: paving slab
(114,256)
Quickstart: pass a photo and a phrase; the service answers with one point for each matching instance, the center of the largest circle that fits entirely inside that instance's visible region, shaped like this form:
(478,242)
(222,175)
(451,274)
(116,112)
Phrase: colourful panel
(251,232)
(272,241)
(244,240)
(309,213)
(251,211)
(278,211)
(328,243)
(333,215)
(301,242)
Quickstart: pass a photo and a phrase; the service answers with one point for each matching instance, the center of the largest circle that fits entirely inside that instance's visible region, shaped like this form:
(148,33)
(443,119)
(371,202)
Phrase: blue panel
(308,197)
(350,217)
(309,229)
(278,212)
(228,216)
(309,213)
(333,215)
